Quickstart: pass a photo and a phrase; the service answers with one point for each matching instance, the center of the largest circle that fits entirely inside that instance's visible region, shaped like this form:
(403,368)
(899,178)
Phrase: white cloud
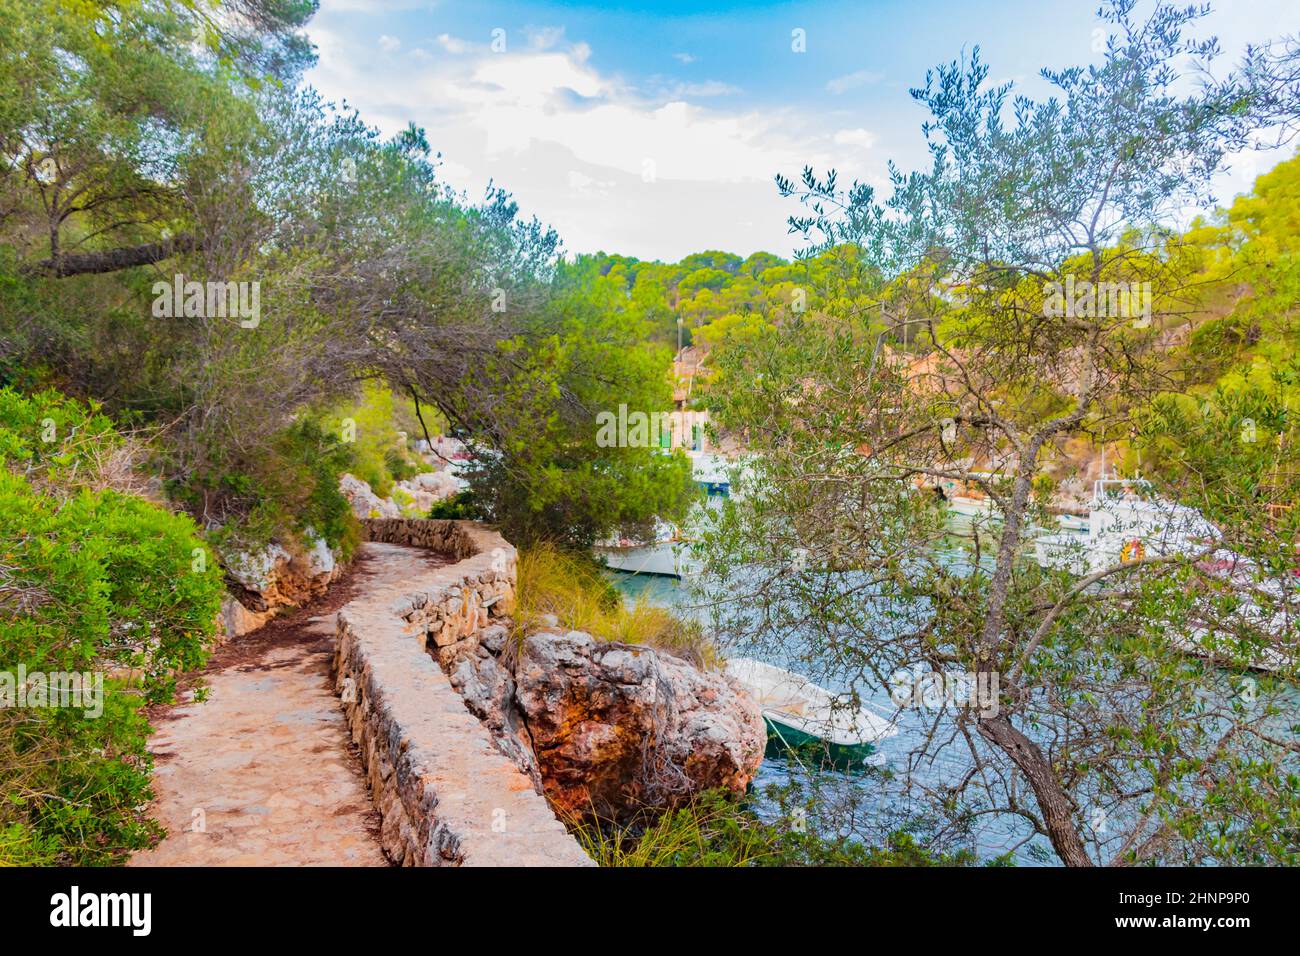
(573,142)
(588,186)
(851,81)
(389,44)
(543,38)
(666,89)
(686,58)
(451,44)
(855,137)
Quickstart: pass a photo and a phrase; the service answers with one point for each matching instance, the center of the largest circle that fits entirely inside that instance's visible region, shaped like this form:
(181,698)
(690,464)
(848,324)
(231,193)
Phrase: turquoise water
(852,792)
(867,795)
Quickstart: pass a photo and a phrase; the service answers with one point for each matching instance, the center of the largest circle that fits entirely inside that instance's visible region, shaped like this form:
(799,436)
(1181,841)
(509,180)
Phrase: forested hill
(1239,335)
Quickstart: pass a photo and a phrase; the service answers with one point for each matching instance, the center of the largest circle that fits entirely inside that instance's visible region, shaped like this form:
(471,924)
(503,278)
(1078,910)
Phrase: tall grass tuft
(573,589)
(714,829)
(710,831)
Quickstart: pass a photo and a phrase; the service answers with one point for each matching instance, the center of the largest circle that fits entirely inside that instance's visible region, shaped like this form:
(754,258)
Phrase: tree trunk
(112,260)
(1052,800)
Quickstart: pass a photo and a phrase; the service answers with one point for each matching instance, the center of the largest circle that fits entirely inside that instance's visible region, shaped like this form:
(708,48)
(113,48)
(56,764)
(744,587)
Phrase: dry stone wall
(446,794)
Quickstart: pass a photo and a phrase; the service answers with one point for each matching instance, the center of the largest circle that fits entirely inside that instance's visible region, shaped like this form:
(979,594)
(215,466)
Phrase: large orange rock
(616,727)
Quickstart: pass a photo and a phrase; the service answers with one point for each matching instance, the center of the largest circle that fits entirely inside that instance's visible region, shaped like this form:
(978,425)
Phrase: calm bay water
(865,792)
(870,795)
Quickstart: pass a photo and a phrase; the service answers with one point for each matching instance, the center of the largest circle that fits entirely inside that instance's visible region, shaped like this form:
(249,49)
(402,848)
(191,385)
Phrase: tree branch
(112,260)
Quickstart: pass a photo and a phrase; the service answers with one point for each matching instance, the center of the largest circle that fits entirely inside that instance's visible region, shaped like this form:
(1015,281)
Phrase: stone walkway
(260,774)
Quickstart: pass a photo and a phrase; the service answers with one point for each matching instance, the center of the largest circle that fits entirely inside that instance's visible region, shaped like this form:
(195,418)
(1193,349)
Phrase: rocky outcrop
(421,492)
(410,497)
(365,503)
(259,584)
(608,728)
(619,726)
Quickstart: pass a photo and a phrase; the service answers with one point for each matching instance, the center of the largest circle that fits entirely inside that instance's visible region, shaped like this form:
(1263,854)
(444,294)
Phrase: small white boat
(662,555)
(971,507)
(799,713)
(1073,522)
(668,552)
(667,559)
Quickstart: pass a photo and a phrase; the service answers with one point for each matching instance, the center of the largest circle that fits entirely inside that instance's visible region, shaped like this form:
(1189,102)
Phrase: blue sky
(654,129)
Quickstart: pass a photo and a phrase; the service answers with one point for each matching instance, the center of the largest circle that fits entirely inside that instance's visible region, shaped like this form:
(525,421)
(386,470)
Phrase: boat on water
(801,715)
(972,507)
(1266,606)
(667,553)
(1127,521)
(1069,522)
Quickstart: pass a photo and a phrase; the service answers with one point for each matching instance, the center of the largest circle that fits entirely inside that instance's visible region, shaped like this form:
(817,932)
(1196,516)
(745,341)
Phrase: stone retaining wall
(446,794)
(458,539)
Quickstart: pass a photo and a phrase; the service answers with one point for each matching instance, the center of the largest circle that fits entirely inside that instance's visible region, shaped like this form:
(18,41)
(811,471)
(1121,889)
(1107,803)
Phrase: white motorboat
(1127,521)
(661,555)
(668,559)
(1268,606)
(1070,522)
(971,507)
(668,553)
(800,713)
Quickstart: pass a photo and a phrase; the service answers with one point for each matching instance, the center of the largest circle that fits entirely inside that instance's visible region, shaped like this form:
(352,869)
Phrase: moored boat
(668,553)
(1126,522)
(801,715)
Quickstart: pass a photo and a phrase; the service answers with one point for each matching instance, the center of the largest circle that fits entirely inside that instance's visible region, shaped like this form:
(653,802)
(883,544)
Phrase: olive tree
(1024,299)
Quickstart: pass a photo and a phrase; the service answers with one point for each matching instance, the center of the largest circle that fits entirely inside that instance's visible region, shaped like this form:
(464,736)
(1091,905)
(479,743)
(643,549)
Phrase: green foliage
(716,830)
(91,580)
(281,490)
(711,293)
(545,475)
(461,506)
(382,424)
(574,589)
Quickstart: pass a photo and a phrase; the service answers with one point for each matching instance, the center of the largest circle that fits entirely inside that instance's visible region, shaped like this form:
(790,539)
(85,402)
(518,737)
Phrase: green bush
(716,830)
(91,581)
(291,485)
(462,506)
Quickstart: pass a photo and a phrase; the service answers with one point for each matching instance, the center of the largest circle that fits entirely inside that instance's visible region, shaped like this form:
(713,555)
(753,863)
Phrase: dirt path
(261,774)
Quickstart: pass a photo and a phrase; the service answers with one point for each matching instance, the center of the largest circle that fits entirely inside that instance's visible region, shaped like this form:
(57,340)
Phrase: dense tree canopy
(1108,737)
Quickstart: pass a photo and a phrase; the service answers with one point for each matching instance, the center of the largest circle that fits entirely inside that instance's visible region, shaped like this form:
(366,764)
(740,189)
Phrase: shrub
(716,830)
(94,581)
(463,505)
(291,485)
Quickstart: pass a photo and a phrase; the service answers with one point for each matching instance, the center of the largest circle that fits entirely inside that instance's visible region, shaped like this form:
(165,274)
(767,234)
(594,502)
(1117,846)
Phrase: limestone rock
(256,571)
(235,620)
(365,503)
(617,726)
(264,581)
